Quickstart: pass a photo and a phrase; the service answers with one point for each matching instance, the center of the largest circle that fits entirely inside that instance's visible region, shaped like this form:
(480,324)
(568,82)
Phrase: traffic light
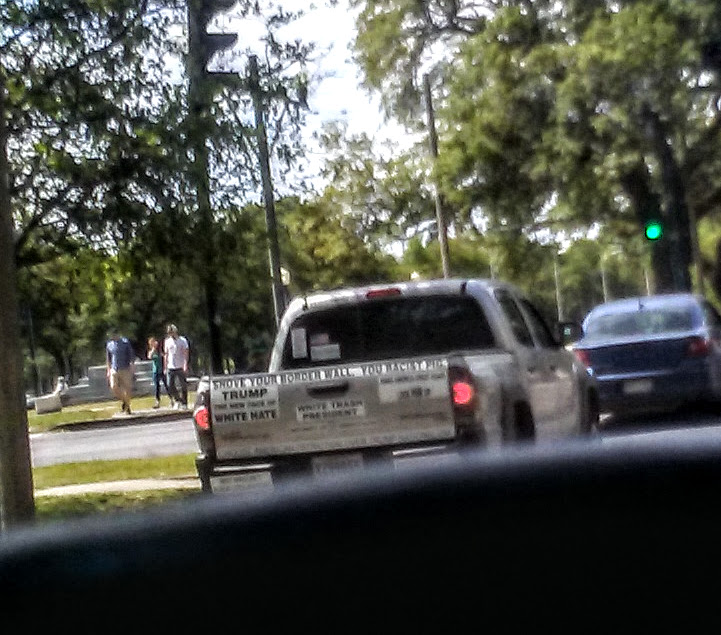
(653,230)
(204,45)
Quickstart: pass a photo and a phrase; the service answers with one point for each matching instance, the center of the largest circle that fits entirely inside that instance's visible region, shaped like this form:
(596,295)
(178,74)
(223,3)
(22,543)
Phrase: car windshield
(645,322)
(225,223)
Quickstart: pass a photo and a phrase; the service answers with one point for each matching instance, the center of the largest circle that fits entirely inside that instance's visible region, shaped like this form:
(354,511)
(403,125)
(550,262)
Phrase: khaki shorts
(121,380)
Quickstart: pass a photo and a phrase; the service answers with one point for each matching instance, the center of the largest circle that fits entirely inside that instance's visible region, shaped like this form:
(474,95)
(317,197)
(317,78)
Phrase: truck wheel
(525,427)
(591,420)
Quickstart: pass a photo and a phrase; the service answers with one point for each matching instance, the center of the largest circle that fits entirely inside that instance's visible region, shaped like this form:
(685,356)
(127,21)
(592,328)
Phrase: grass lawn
(63,508)
(55,508)
(82,413)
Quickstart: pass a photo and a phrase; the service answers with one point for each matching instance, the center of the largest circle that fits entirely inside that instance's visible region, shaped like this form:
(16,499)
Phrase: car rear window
(643,322)
(385,329)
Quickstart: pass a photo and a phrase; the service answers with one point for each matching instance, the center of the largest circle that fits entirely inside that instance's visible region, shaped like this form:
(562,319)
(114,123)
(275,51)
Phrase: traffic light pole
(201,47)
(695,250)
(440,211)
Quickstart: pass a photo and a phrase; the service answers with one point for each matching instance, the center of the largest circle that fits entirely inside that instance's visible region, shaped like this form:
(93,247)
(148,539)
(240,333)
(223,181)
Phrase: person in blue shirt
(120,357)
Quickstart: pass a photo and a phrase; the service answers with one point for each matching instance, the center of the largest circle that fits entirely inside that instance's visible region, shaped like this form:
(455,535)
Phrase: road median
(154,415)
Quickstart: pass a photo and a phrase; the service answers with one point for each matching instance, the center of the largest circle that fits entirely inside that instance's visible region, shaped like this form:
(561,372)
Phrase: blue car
(653,353)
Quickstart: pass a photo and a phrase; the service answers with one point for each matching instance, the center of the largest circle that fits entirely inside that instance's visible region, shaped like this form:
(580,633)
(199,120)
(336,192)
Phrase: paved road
(136,440)
(149,439)
(144,440)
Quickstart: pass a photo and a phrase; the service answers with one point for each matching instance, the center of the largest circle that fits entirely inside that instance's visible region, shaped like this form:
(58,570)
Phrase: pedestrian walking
(176,358)
(120,358)
(155,355)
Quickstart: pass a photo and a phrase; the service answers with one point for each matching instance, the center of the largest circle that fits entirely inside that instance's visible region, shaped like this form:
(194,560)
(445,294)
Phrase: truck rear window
(385,329)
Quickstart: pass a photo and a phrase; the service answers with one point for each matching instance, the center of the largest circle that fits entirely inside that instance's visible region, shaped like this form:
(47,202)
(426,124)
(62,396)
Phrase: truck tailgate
(331,408)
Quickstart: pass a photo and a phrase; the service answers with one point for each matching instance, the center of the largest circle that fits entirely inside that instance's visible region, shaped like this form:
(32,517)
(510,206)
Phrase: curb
(139,417)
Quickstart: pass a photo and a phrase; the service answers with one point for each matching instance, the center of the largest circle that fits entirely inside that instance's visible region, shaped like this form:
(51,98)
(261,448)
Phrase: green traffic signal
(654,230)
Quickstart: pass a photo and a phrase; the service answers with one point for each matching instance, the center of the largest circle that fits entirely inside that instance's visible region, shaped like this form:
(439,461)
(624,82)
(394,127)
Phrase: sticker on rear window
(298,343)
(325,352)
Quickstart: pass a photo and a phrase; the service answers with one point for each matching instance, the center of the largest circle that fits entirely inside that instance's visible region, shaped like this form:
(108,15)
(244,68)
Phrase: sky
(338,96)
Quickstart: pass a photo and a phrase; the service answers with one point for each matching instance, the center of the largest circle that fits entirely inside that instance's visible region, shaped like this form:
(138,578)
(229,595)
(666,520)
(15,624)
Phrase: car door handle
(329,389)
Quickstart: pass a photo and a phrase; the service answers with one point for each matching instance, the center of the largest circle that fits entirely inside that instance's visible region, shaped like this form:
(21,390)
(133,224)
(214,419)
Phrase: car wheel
(591,422)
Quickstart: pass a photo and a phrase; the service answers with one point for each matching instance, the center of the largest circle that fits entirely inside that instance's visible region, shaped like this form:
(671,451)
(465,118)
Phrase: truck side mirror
(568,332)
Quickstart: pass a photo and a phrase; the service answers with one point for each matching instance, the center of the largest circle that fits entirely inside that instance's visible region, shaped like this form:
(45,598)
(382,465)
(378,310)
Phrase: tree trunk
(17,504)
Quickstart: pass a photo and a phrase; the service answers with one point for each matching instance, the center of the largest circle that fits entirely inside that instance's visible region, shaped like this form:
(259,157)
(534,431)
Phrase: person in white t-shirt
(175,365)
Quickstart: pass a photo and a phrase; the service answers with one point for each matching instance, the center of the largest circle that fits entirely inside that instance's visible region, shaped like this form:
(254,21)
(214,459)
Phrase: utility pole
(557,279)
(695,249)
(33,361)
(201,48)
(440,212)
(270,221)
(17,504)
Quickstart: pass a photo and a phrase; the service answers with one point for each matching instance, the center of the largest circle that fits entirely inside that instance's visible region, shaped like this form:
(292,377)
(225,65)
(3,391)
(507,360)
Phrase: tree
(16,482)
(324,249)
(396,38)
(384,193)
(553,115)
(89,100)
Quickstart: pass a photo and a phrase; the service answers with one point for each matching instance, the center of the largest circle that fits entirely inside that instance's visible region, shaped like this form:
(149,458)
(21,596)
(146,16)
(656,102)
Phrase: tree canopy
(563,115)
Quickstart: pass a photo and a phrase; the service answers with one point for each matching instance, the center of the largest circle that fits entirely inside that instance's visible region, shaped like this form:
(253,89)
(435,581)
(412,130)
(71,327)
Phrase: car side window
(514,316)
(538,325)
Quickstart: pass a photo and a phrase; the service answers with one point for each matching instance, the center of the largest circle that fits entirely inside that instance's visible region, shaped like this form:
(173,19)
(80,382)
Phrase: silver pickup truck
(392,373)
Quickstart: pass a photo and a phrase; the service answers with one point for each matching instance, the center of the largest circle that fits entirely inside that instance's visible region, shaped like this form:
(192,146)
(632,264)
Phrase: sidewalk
(134,485)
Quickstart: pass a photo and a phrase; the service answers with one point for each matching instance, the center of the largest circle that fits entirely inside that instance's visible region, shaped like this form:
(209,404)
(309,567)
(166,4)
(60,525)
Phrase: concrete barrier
(48,403)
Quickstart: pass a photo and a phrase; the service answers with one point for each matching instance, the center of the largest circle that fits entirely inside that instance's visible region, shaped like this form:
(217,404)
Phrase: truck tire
(592,415)
(525,427)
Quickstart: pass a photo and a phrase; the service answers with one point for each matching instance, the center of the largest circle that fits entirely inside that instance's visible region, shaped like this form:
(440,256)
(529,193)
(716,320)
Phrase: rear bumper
(227,476)
(648,392)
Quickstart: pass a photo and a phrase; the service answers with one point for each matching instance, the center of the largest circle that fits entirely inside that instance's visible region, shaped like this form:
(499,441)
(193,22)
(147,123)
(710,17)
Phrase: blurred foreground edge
(549,527)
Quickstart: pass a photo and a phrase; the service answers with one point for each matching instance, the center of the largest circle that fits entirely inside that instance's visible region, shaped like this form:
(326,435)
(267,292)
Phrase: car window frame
(537,324)
(502,303)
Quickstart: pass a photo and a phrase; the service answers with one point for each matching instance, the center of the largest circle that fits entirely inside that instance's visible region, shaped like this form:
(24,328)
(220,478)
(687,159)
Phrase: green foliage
(163,467)
(384,195)
(395,38)
(104,192)
(70,506)
(77,506)
(324,249)
(563,115)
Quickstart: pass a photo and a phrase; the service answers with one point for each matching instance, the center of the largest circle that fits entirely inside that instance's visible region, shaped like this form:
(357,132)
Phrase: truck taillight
(464,397)
(583,357)
(383,293)
(463,393)
(202,418)
(463,389)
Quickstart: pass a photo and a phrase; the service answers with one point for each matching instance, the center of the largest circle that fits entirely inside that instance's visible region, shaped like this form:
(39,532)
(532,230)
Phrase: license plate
(235,482)
(638,386)
(335,464)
